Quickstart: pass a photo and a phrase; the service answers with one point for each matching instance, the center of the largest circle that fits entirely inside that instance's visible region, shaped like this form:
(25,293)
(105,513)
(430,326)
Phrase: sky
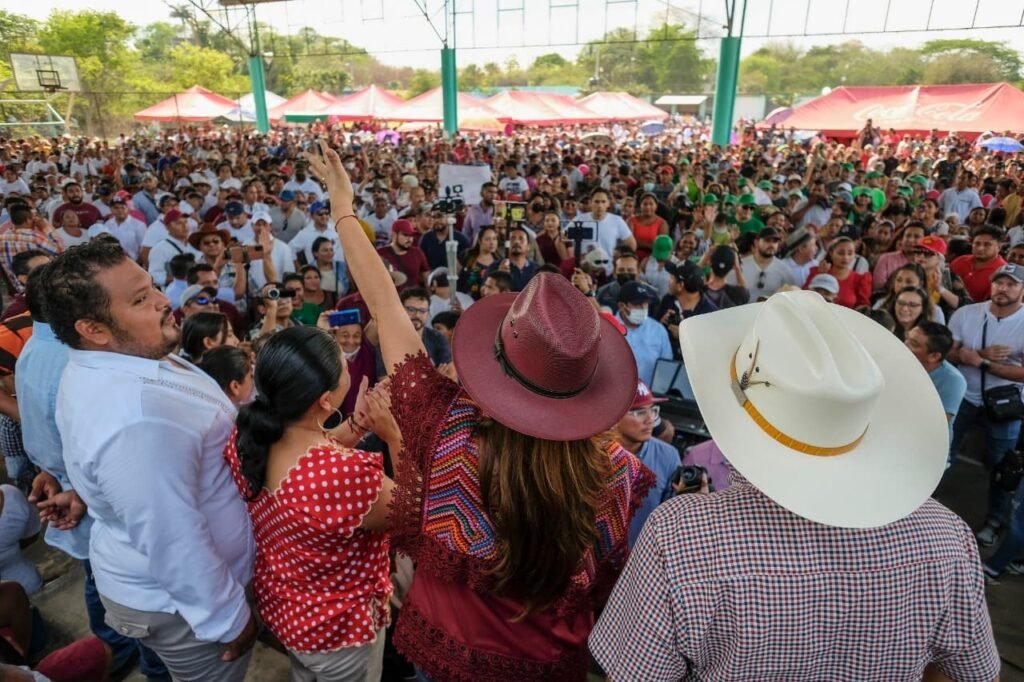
(495,30)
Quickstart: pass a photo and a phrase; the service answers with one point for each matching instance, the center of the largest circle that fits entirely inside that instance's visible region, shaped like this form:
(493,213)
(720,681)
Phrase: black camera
(275,294)
(452,201)
(690,477)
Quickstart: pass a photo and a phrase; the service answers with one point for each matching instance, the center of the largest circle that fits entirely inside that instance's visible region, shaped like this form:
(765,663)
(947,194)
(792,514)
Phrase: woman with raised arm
(510,497)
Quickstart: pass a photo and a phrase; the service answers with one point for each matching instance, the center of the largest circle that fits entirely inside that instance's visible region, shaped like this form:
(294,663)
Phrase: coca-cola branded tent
(195,105)
(305,106)
(372,103)
(429,107)
(541,108)
(622,106)
(967,109)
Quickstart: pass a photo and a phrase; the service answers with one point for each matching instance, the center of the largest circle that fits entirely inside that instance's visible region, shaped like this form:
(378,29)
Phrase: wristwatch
(984,365)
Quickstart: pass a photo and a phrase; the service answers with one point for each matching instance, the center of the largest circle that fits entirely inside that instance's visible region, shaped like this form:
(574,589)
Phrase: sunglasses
(203,300)
(322,213)
(761,279)
(603,261)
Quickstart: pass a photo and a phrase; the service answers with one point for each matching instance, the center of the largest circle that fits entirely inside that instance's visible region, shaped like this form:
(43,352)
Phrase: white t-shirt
(281,255)
(611,230)
(310,186)
(18,186)
(968,324)
(130,233)
(157,232)
(776,275)
(513,185)
(70,240)
(303,241)
(162,253)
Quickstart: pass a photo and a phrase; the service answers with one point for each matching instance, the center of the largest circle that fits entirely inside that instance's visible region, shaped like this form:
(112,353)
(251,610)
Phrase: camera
(452,202)
(690,477)
(275,294)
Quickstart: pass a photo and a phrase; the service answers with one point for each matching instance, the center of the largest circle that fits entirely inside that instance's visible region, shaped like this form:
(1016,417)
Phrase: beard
(127,344)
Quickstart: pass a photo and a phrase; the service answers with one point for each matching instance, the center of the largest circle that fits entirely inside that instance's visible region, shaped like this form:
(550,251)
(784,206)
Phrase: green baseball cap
(872,175)
(747,200)
(905,190)
(857,191)
(661,249)
(918,180)
(765,185)
(729,199)
(741,182)
(847,166)
(710,198)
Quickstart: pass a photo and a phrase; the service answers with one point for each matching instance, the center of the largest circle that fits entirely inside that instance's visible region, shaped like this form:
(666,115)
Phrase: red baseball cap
(172,215)
(933,244)
(403,226)
(644,397)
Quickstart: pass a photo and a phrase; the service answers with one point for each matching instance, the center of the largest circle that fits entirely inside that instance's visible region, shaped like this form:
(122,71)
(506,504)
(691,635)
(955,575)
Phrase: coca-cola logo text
(945,112)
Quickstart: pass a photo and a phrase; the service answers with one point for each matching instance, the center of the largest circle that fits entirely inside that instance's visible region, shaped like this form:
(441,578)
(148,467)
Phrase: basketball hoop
(49,80)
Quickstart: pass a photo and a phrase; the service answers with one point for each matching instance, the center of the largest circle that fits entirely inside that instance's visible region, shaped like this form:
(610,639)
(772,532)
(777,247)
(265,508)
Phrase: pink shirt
(887,264)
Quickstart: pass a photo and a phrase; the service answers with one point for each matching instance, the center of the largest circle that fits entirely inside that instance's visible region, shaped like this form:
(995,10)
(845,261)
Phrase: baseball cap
(286,195)
(105,191)
(1014,272)
(844,187)
(795,177)
(637,292)
(172,215)
(932,194)
(765,185)
(871,175)
(769,233)
(198,179)
(710,198)
(597,257)
(661,249)
(933,244)
(118,200)
(729,199)
(667,169)
(682,269)
(317,206)
(918,180)
(850,231)
(644,397)
(723,261)
(747,200)
(234,208)
(403,226)
(195,291)
(436,274)
(261,215)
(824,281)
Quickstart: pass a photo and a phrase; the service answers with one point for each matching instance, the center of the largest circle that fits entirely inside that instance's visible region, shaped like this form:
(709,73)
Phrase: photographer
(635,432)
(433,243)
(274,305)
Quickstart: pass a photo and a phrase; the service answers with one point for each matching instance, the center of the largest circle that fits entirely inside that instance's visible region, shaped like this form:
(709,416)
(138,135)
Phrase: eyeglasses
(203,300)
(323,213)
(908,304)
(413,310)
(644,412)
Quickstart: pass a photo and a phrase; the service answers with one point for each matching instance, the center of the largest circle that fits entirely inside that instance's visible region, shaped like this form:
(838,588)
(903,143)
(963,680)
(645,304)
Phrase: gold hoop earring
(333,420)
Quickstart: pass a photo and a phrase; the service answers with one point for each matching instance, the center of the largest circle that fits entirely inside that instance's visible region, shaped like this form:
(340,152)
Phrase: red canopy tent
(195,105)
(622,106)
(301,105)
(541,108)
(967,109)
(369,104)
(429,107)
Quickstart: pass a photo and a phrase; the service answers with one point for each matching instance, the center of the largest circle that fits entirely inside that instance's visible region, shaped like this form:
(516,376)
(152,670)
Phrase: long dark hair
(293,369)
(198,328)
(543,497)
(225,364)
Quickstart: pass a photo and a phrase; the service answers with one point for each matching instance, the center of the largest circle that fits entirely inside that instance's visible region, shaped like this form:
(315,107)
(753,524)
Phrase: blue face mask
(648,186)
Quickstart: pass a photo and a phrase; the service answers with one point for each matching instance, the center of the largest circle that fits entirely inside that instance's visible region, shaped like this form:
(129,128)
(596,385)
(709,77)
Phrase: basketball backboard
(45,73)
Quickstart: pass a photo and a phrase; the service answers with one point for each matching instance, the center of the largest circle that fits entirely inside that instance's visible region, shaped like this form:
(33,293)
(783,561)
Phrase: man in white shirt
(287,219)
(171,545)
(612,231)
(224,178)
(321,225)
(277,260)
(764,273)
(961,198)
(801,246)
(513,186)
(301,182)
(128,230)
(238,226)
(381,218)
(174,244)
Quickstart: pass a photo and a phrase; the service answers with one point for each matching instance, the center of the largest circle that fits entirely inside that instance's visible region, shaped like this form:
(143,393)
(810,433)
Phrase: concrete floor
(62,606)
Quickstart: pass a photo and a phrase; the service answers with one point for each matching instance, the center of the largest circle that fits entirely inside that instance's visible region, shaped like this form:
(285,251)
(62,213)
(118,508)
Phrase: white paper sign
(471,178)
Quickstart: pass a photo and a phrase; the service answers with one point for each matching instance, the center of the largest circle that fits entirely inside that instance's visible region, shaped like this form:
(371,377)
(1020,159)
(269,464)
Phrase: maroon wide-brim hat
(544,363)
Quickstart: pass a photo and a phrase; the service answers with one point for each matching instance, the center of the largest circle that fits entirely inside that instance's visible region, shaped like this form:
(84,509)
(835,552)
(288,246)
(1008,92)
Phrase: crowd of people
(282,386)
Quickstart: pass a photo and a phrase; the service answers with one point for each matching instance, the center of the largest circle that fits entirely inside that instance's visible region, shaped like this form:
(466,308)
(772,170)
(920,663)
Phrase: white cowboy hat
(819,407)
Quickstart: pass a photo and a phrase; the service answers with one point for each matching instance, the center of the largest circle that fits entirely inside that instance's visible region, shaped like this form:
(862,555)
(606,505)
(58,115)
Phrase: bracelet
(350,215)
(355,425)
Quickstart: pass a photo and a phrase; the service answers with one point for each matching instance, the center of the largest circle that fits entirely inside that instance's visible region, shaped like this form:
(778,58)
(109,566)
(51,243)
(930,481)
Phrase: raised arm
(398,338)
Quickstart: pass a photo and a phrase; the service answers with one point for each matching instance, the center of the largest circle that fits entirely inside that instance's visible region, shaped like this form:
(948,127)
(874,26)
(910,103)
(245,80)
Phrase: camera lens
(273,294)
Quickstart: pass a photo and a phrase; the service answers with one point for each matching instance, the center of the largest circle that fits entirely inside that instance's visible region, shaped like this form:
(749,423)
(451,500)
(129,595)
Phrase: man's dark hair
(989,231)
(488,185)
(192,277)
(73,293)
(939,339)
(292,277)
(414,292)
(35,287)
(318,242)
(502,280)
(445,318)
(19,264)
(20,213)
(180,264)
(165,198)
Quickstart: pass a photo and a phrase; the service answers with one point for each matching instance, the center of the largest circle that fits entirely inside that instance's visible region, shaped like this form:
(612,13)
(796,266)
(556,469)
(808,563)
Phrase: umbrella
(652,128)
(596,138)
(1002,144)
(388,136)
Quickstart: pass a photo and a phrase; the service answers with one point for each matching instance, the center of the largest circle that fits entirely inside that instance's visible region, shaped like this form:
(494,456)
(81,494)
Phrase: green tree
(423,80)
(190,65)
(16,32)
(156,40)
(1002,61)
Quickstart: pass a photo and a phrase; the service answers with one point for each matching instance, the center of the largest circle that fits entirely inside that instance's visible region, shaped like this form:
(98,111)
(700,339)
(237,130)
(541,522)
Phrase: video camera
(452,202)
(690,477)
(579,231)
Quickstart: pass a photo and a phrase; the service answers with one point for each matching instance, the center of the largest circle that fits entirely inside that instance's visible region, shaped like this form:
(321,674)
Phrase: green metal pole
(449,91)
(259,90)
(725,90)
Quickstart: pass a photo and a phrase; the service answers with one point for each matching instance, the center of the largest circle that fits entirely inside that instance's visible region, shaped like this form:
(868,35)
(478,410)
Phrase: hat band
(778,435)
(511,371)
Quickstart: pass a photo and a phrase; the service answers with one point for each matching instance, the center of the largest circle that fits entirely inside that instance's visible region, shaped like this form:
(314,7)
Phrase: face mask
(648,186)
(637,316)
(699,233)
(624,278)
(349,166)
(349,356)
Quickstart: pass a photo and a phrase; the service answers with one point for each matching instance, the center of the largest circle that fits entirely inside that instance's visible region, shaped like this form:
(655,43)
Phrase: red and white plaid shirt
(731,586)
